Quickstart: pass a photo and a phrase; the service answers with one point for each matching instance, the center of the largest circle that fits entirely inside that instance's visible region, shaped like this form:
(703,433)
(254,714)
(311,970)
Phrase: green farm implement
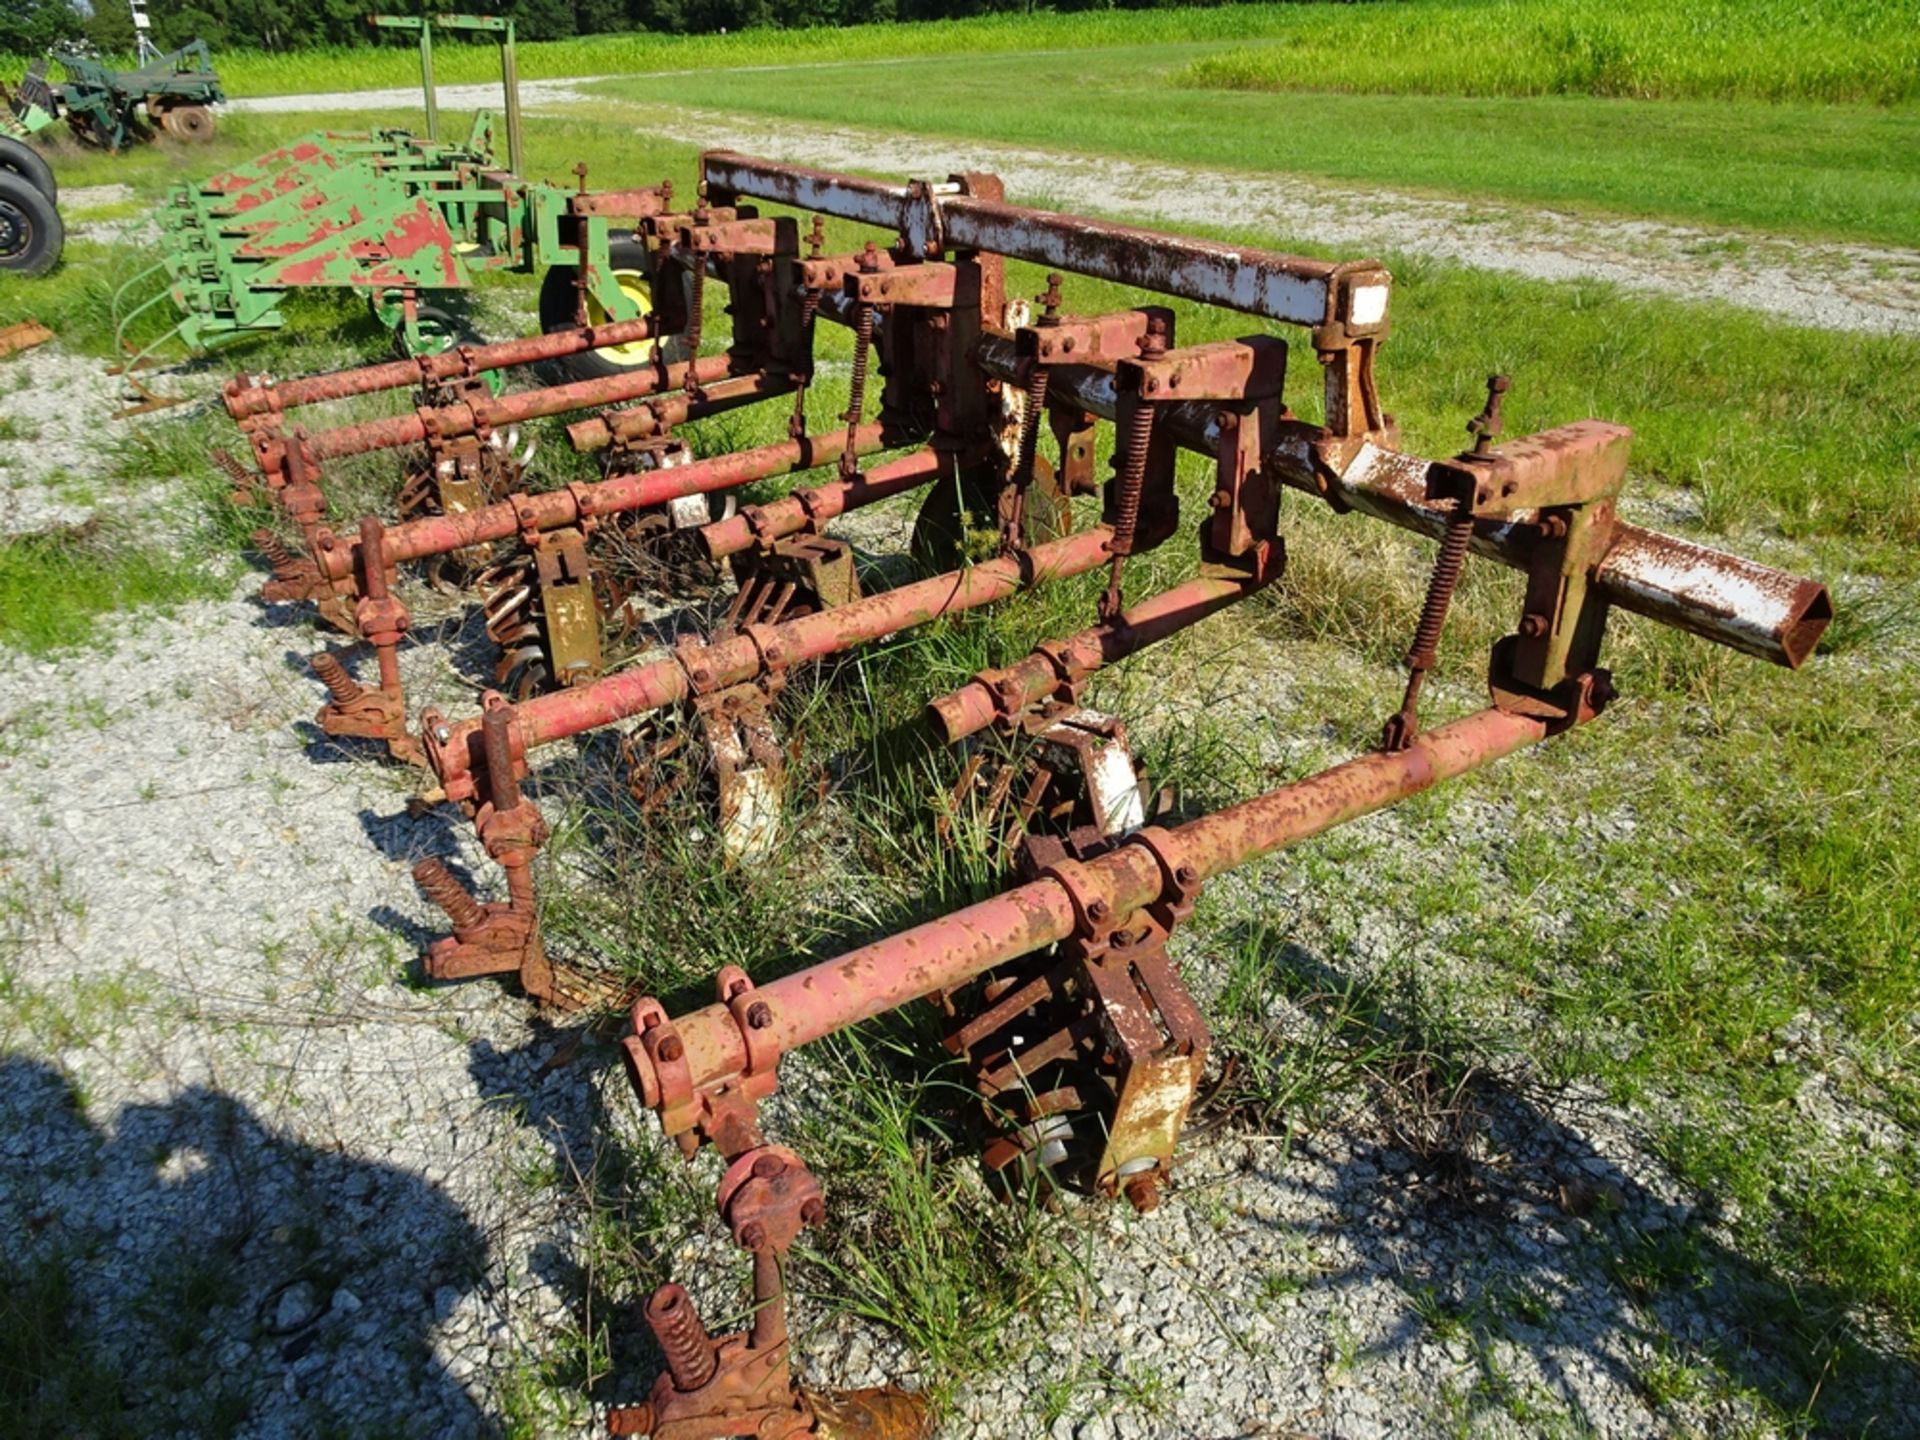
(171,94)
(400,218)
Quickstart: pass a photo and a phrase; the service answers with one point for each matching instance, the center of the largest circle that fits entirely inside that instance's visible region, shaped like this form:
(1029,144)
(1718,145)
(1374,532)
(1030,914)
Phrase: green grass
(1850,172)
(57,589)
(1755,124)
(1840,50)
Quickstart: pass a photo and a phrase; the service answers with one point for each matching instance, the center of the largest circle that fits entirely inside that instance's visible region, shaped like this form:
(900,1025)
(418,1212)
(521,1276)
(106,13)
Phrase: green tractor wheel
(20,158)
(31,235)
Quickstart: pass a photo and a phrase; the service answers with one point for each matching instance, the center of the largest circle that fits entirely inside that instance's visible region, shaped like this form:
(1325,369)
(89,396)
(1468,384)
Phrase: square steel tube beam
(1288,288)
(1732,601)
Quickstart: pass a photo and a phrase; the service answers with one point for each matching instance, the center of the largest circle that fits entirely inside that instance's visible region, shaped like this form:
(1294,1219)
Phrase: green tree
(28,27)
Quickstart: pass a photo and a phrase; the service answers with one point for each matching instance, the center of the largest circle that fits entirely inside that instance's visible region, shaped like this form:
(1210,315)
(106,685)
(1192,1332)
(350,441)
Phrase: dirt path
(1826,285)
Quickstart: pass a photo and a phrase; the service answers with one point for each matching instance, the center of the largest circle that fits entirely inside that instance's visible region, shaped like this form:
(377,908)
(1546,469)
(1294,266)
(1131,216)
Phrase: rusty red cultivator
(1083,1041)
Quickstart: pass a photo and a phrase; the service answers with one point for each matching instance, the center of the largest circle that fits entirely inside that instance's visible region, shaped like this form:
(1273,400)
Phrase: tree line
(30,26)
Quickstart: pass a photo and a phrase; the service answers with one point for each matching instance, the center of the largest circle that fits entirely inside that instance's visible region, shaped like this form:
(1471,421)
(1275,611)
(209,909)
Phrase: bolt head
(760,1015)
(1533,626)
(753,1236)
(1099,910)
(670,1049)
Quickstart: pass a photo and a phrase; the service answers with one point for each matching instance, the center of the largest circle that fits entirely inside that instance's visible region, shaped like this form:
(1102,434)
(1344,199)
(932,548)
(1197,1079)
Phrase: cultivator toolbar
(1062,996)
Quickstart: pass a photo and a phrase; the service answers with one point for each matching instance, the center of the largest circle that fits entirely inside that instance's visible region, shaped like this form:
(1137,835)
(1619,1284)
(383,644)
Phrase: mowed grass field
(1706,907)
(1804,119)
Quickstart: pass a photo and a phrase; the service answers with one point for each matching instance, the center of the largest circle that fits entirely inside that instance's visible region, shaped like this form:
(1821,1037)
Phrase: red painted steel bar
(454,750)
(552,509)
(808,509)
(944,953)
(246,400)
(978,703)
(658,416)
(1739,603)
(465,417)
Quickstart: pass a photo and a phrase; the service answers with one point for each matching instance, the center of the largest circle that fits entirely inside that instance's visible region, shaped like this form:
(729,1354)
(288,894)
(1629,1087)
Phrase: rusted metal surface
(1739,603)
(1288,288)
(1058,667)
(1075,1024)
(454,750)
(659,416)
(940,955)
(22,335)
(248,399)
(807,510)
(469,416)
(555,509)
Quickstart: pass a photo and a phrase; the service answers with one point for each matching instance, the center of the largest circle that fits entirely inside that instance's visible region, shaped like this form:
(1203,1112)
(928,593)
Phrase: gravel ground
(306,1194)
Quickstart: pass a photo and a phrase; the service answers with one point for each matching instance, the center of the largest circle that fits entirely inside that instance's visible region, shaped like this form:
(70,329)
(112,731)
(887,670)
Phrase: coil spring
(683,1339)
(243,482)
(342,686)
(1029,453)
(436,882)
(1446,576)
(280,560)
(809,310)
(696,319)
(857,388)
(1126,510)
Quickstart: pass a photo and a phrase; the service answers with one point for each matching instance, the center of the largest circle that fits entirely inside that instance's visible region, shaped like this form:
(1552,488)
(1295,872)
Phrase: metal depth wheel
(31,235)
(193,123)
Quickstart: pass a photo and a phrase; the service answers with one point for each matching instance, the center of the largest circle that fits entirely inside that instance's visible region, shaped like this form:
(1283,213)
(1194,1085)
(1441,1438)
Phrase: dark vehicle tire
(193,123)
(442,329)
(633,270)
(30,165)
(31,235)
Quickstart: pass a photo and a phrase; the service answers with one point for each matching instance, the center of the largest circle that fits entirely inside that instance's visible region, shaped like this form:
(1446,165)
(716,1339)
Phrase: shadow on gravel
(186,1270)
(636,1205)
(1493,1203)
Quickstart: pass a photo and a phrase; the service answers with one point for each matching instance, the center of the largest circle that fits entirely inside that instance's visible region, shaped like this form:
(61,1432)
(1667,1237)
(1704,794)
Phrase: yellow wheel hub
(634,286)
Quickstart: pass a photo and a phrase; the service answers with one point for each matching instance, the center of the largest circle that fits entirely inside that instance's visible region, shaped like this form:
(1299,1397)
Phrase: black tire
(30,165)
(557,300)
(448,328)
(31,235)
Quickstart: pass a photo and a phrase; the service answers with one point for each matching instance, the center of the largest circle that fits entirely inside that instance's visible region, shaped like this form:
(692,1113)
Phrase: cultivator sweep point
(1061,994)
